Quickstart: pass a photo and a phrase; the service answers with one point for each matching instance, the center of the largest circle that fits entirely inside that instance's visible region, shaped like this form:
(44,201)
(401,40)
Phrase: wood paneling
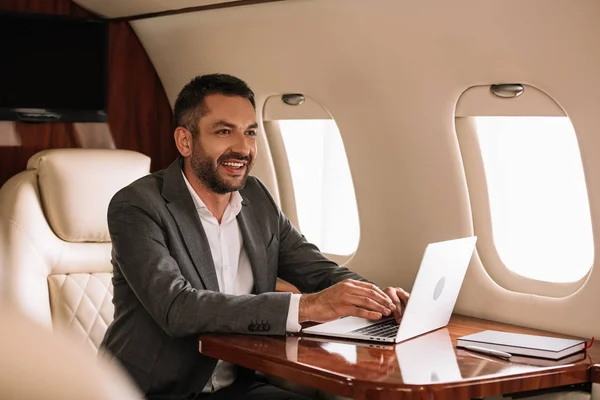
(139,114)
(426,367)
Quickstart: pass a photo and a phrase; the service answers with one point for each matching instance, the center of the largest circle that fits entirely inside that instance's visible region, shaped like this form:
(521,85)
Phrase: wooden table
(595,373)
(426,367)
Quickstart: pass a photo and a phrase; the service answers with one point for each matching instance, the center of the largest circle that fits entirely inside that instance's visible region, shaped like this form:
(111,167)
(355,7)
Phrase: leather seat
(38,364)
(55,248)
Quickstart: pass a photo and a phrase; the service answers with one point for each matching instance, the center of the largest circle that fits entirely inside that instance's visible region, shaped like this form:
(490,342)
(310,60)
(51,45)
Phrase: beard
(207,171)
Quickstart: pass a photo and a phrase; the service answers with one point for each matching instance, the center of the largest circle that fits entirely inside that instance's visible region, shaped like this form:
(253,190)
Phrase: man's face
(224,150)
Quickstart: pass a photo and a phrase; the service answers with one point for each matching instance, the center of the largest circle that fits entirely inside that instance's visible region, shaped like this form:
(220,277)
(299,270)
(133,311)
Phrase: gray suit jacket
(165,286)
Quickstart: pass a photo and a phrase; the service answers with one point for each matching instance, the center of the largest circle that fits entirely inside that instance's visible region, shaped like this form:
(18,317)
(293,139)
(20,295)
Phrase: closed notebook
(522,344)
(538,362)
(544,362)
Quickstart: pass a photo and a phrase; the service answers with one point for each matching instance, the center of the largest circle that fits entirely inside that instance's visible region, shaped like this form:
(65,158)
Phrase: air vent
(36,115)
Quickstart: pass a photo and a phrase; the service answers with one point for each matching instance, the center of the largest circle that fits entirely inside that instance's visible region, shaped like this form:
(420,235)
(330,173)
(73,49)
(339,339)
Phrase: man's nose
(242,144)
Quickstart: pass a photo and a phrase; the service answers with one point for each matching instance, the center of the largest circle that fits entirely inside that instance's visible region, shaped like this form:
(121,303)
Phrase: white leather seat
(54,241)
(38,364)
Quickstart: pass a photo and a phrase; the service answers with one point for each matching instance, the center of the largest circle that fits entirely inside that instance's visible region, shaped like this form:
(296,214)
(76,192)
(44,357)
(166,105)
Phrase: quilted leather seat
(54,242)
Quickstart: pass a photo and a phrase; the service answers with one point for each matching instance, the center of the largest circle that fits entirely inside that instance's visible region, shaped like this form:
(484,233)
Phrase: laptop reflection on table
(428,359)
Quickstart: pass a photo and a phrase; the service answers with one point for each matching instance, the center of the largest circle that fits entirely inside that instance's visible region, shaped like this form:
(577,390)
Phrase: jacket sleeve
(300,262)
(142,257)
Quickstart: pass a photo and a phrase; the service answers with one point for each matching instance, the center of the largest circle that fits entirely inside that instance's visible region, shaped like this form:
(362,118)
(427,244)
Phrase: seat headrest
(76,186)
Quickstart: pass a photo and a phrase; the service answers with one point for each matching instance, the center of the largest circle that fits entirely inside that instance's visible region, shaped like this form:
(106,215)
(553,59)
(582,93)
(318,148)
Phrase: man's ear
(183,141)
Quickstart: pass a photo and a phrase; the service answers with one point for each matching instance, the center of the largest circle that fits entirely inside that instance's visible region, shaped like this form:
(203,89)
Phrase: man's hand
(399,297)
(346,298)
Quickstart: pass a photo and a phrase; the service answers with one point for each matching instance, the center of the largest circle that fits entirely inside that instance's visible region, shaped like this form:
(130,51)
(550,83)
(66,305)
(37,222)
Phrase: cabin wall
(391,72)
(139,114)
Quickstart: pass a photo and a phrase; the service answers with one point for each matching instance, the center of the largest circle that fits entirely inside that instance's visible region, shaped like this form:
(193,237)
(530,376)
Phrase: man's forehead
(231,109)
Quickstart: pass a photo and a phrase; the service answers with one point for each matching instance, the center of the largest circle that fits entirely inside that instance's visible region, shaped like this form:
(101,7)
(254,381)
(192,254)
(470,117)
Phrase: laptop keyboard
(387,329)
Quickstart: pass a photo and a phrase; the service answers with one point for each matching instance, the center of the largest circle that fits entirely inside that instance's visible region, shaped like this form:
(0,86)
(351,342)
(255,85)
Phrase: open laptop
(429,306)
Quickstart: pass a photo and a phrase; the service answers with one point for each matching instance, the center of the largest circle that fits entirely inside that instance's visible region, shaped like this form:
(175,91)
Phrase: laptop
(429,306)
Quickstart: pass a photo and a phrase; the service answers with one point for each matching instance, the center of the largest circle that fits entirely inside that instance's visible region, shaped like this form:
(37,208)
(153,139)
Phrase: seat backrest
(54,241)
(56,370)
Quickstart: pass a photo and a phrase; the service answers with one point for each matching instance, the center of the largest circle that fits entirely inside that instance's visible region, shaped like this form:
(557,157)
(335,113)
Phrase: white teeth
(233,164)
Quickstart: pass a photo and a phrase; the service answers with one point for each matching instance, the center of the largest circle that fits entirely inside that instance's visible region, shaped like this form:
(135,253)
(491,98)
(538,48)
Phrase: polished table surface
(596,373)
(429,366)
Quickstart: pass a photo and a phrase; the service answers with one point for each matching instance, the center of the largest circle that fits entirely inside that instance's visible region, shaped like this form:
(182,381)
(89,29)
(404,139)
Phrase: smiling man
(198,247)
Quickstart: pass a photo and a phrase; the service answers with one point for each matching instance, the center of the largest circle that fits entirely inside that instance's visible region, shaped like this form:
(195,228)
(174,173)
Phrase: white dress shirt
(233,269)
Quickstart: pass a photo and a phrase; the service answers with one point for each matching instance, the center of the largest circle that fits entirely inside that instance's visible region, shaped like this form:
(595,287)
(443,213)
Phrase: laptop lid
(432,299)
(436,287)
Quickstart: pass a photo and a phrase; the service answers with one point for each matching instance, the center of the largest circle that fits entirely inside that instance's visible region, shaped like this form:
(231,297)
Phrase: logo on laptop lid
(439,287)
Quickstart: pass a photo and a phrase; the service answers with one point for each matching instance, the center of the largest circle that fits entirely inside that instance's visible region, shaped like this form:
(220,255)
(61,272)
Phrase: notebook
(544,362)
(525,345)
(535,361)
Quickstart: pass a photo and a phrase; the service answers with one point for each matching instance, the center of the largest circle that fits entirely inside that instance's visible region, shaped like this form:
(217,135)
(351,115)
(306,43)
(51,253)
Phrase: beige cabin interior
(391,75)
(402,80)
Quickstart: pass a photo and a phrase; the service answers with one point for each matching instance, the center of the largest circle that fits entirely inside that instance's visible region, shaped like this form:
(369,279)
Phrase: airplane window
(540,215)
(323,189)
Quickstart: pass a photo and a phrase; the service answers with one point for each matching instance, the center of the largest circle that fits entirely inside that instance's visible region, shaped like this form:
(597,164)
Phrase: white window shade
(540,216)
(322,184)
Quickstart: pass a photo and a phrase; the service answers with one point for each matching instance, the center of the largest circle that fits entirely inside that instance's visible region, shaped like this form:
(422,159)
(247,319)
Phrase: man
(198,247)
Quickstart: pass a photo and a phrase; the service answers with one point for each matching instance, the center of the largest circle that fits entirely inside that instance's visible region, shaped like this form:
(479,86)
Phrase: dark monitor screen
(53,63)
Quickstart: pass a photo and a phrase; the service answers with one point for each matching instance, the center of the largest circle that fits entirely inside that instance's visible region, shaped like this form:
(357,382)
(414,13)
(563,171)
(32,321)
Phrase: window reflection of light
(344,350)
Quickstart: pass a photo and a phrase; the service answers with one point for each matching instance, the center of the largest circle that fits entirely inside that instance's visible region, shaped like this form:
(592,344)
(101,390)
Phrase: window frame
(465,129)
(274,111)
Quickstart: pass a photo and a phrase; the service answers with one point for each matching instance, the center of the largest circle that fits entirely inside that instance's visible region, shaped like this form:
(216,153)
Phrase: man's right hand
(346,298)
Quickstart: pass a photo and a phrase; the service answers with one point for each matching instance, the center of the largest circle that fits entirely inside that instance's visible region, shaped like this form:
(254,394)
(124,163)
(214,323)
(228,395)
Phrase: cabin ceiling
(120,8)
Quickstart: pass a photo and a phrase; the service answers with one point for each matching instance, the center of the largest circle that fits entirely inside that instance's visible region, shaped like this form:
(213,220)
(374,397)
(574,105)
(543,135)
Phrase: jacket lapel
(184,212)
(255,248)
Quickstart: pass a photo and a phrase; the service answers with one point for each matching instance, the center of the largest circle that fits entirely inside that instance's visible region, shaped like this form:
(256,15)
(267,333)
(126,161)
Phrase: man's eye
(251,133)
(223,131)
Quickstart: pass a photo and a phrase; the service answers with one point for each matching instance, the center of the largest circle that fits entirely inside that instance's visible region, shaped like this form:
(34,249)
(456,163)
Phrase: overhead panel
(120,8)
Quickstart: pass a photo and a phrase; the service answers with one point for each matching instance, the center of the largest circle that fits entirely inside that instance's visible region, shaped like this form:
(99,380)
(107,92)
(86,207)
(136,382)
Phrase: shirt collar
(235,202)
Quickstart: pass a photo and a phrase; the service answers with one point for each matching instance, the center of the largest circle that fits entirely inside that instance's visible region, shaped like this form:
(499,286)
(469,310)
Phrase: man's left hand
(399,297)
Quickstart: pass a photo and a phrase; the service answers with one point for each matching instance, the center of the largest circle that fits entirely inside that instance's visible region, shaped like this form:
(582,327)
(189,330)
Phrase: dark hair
(189,106)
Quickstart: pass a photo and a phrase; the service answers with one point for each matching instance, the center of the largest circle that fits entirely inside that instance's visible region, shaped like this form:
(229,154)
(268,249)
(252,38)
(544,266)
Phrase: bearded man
(198,248)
